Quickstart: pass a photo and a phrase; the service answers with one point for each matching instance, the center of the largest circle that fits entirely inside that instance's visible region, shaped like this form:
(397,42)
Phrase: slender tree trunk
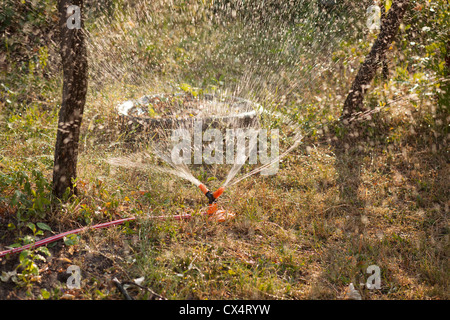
(74,61)
(447,57)
(385,66)
(366,73)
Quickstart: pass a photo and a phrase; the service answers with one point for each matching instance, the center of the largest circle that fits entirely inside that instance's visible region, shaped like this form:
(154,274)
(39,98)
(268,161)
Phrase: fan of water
(266,66)
(187,132)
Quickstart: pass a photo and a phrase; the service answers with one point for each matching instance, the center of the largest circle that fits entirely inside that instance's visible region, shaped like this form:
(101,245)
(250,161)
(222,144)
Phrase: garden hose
(212,197)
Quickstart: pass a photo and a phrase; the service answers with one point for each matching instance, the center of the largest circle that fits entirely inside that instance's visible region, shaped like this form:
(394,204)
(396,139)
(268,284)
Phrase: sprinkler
(212,197)
(212,212)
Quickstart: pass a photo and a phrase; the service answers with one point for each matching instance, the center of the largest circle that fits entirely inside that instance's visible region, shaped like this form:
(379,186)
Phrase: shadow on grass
(395,195)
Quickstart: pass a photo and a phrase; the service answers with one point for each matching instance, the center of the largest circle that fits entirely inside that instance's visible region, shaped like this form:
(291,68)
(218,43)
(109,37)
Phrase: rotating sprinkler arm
(212,197)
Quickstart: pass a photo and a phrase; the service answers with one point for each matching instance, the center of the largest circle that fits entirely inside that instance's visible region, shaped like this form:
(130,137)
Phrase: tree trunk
(74,61)
(447,57)
(389,27)
(384,62)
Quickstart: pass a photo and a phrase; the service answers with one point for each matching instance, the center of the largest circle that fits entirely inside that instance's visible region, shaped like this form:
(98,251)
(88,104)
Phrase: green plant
(71,239)
(29,194)
(27,272)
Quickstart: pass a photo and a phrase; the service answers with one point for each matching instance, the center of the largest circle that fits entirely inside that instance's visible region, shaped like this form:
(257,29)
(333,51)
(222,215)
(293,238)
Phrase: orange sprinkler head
(218,192)
(203,188)
(211,196)
(213,212)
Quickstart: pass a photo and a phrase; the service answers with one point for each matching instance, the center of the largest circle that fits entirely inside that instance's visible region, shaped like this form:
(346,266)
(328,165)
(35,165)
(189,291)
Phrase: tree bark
(384,62)
(74,62)
(389,26)
(447,57)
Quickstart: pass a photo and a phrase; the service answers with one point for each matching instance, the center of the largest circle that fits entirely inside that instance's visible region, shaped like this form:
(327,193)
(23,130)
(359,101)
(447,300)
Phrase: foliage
(28,194)
(27,28)
(27,270)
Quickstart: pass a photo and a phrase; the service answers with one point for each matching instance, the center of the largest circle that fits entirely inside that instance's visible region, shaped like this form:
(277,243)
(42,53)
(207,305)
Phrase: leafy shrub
(28,194)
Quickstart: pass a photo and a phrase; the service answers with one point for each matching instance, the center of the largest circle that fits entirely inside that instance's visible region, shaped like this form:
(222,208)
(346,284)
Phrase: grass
(374,193)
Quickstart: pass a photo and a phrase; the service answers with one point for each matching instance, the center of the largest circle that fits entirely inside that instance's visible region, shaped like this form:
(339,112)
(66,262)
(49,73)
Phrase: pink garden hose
(212,209)
(97,226)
